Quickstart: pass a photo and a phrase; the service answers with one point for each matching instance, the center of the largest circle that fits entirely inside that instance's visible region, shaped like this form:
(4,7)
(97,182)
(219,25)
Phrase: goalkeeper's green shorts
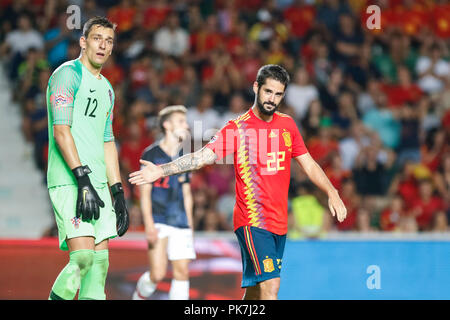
(64,200)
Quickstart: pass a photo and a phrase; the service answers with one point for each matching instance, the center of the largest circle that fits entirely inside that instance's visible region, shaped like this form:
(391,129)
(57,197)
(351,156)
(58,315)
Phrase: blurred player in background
(167,208)
(262,141)
(82,161)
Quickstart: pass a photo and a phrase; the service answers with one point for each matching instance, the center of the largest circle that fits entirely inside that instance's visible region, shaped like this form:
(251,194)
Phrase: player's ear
(255,87)
(83,43)
(166,125)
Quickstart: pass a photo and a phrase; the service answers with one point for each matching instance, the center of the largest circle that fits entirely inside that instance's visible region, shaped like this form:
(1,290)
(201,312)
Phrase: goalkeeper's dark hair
(165,114)
(272,71)
(97,20)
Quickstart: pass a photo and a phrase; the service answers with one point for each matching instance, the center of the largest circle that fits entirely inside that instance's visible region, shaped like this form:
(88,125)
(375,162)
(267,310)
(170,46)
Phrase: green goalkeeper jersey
(77,98)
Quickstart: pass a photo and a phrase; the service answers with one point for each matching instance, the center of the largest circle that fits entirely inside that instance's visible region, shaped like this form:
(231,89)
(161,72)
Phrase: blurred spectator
(35,127)
(408,224)
(300,17)
(352,201)
(213,221)
(132,147)
(335,172)
(370,172)
(172,39)
(30,69)
(123,15)
(441,179)
(367,99)
(218,179)
(205,39)
(19,41)
(300,93)
(189,88)
(425,207)
(329,12)
(348,39)
(91,9)
(267,28)
(433,148)
(432,70)
(390,216)
(308,215)
(322,147)
(57,42)
(409,146)
(249,61)
(428,115)
(345,115)
(322,65)
(404,92)
(363,221)
(275,53)
(329,92)
(237,107)
(113,71)
(314,119)
(440,222)
(155,14)
(350,146)
(360,69)
(383,121)
(202,119)
(225,203)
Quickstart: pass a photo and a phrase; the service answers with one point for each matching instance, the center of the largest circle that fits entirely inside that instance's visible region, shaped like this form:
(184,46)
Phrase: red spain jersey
(262,153)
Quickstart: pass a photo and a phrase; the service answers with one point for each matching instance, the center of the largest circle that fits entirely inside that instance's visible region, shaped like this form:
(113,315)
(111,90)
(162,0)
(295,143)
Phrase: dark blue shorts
(261,253)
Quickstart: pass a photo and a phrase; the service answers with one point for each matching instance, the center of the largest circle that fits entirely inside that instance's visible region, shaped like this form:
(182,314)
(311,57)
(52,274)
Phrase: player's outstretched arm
(319,178)
(189,162)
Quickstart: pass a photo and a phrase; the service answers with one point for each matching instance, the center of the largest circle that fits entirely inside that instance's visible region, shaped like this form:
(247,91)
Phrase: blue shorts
(261,253)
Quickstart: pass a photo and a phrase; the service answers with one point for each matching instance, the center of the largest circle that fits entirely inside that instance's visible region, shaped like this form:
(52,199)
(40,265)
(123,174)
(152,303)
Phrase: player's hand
(120,207)
(151,234)
(88,202)
(148,174)
(336,206)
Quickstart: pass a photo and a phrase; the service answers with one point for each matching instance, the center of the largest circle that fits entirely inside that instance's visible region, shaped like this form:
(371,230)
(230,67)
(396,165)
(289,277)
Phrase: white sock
(144,288)
(179,290)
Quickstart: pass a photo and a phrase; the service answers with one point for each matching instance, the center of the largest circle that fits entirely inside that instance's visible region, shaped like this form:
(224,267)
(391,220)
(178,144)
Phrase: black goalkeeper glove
(88,201)
(120,207)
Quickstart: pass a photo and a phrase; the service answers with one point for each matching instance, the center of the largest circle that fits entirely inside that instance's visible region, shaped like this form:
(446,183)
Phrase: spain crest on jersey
(268,265)
(287,139)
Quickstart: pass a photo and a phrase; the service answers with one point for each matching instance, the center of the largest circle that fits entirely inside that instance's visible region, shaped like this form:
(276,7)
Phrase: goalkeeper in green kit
(82,162)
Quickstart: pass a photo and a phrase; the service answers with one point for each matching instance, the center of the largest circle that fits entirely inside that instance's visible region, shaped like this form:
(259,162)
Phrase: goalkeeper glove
(120,207)
(88,201)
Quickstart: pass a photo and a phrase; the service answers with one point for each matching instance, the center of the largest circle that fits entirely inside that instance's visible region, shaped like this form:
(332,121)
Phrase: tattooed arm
(188,162)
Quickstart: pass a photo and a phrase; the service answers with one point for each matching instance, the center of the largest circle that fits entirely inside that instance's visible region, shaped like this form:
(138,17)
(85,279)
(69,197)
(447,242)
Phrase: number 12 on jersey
(94,102)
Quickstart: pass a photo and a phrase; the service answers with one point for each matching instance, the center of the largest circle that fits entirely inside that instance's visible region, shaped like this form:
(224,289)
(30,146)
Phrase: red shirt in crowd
(398,95)
(427,210)
(131,152)
(440,18)
(123,17)
(301,19)
(321,150)
(154,16)
(389,219)
(262,158)
(408,190)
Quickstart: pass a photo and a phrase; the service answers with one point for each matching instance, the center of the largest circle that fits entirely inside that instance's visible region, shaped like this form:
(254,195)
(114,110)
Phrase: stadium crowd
(373,106)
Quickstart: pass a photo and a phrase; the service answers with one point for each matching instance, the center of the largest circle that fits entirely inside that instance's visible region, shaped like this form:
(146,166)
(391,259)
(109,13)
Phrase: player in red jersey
(262,142)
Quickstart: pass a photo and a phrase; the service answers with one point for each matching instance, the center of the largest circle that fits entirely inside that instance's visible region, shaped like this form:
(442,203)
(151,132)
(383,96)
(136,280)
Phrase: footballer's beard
(264,110)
